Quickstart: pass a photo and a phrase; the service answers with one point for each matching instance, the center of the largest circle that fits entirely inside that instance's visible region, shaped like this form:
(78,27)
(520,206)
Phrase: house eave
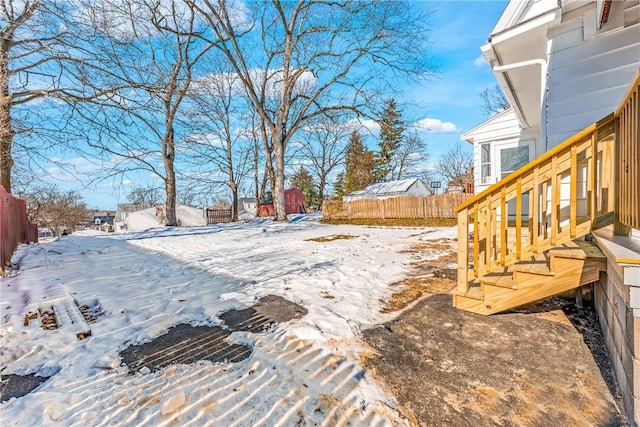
(518,58)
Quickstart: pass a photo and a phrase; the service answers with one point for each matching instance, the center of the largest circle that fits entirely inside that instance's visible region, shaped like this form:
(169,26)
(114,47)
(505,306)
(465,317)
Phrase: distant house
(247,207)
(103,219)
(294,202)
(103,222)
(384,190)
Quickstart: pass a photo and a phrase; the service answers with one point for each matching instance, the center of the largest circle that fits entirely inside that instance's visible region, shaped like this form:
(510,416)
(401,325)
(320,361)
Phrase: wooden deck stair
(560,269)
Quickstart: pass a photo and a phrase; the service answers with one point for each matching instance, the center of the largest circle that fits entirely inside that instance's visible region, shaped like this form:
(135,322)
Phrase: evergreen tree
(392,128)
(359,165)
(338,186)
(303,181)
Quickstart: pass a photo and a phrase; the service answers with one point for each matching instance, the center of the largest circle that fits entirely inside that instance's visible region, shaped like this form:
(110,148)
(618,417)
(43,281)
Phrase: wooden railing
(589,181)
(628,143)
(558,197)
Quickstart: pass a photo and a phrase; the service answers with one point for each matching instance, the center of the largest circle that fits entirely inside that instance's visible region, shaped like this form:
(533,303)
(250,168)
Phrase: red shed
(294,202)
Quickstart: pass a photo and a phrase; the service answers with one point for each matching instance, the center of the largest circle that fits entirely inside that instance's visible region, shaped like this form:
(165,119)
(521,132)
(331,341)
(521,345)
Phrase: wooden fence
(15,227)
(216,216)
(439,206)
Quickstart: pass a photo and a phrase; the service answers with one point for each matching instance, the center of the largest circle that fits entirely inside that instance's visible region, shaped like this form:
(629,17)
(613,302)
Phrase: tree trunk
(323,183)
(6,133)
(278,185)
(256,172)
(168,157)
(234,203)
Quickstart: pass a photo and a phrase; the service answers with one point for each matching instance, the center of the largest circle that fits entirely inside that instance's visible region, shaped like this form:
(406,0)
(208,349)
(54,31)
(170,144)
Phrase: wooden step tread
(533,267)
(502,279)
(475,291)
(577,249)
(568,250)
(591,250)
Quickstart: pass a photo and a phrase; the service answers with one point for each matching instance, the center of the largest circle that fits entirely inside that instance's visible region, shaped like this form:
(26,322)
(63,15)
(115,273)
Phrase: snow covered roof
(389,187)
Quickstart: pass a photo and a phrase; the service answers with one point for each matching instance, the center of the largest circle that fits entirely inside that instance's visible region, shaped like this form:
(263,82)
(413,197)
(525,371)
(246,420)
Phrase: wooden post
(555,200)
(504,217)
(573,185)
(534,209)
(592,176)
(489,235)
(518,217)
(545,210)
(476,240)
(618,227)
(463,251)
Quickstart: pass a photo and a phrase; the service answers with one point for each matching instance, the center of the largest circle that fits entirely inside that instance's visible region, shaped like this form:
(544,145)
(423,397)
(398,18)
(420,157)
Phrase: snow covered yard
(306,371)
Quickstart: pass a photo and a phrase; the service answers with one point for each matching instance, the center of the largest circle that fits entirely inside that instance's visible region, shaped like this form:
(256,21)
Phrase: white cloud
(366,126)
(435,126)
(480,61)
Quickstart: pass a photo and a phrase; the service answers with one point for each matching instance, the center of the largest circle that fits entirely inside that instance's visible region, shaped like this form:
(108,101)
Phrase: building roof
(499,121)
(390,187)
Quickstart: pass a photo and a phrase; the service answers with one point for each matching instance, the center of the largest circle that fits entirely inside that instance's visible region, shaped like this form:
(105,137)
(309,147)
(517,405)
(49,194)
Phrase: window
(512,159)
(485,163)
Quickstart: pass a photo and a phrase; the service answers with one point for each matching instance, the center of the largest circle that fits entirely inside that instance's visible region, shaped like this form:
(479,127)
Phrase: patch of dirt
(451,367)
(331,238)
(18,385)
(545,363)
(429,276)
(186,344)
(279,309)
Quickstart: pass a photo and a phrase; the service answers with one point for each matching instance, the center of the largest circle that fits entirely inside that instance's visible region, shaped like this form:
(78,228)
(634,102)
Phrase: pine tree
(392,128)
(303,181)
(338,186)
(359,165)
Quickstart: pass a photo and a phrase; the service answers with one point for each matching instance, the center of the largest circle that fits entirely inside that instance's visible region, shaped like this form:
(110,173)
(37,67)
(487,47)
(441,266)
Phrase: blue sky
(459,29)
(449,103)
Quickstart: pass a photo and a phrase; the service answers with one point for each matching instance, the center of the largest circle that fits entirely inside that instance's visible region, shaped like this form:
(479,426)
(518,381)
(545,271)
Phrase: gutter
(502,69)
(541,62)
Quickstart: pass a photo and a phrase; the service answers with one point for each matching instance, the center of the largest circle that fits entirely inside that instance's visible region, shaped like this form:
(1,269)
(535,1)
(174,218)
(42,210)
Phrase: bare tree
(324,146)
(220,151)
(410,158)
(296,64)
(494,100)
(146,196)
(56,210)
(455,165)
(153,51)
(46,56)
(33,44)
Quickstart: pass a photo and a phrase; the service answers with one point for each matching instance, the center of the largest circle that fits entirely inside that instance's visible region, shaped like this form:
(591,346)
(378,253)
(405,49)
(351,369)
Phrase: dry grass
(331,238)
(394,222)
(431,276)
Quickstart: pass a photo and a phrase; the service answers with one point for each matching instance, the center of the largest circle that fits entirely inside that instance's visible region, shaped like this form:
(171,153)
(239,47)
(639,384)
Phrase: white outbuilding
(384,190)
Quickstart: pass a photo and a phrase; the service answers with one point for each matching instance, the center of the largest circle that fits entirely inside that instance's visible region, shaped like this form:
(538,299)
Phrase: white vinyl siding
(587,76)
